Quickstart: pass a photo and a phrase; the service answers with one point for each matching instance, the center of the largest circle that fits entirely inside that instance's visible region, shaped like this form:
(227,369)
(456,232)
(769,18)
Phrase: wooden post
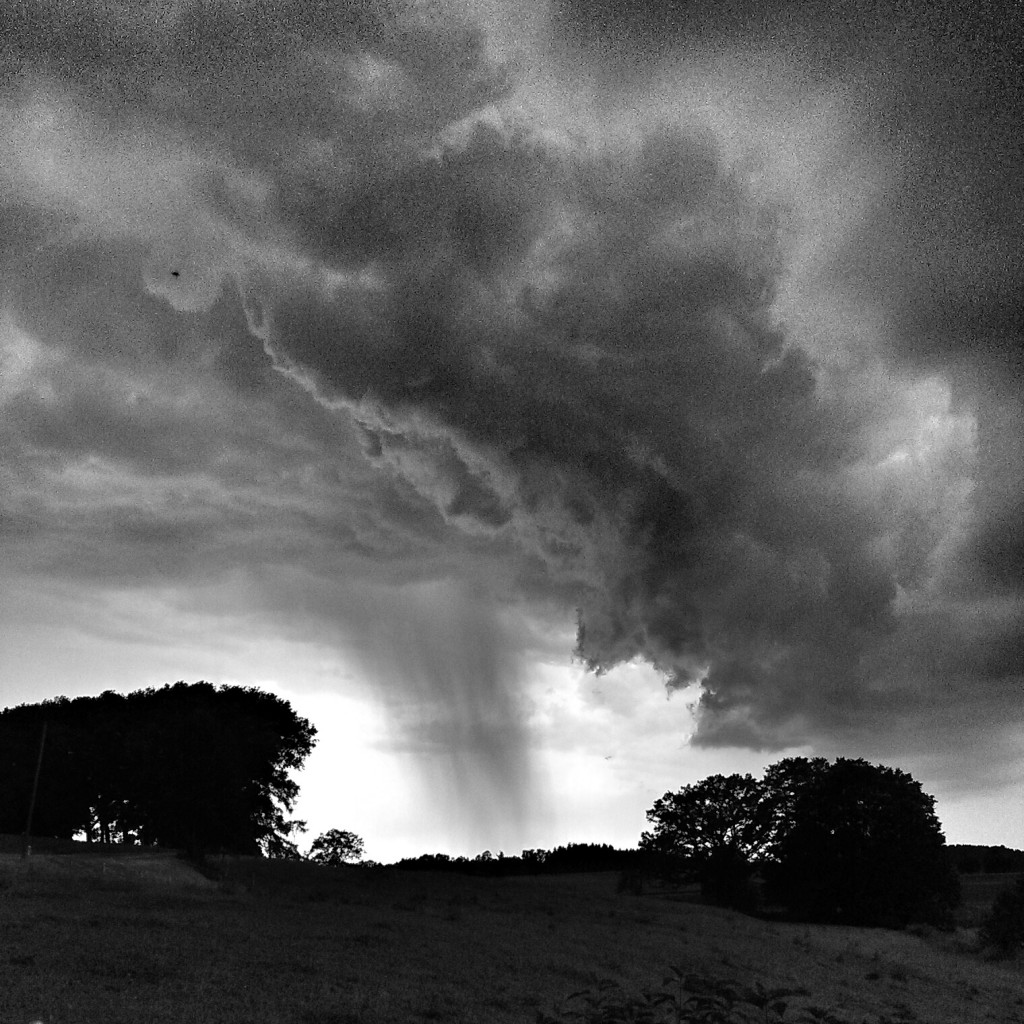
(26,849)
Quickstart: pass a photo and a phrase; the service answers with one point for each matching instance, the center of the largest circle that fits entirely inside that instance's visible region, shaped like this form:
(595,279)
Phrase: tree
(74,788)
(211,766)
(336,847)
(863,847)
(714,829)
(277,843)
(847,841)
(194,767)
(786,783)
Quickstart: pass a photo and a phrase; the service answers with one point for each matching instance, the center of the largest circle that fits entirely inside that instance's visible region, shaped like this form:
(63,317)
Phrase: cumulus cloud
(618,354)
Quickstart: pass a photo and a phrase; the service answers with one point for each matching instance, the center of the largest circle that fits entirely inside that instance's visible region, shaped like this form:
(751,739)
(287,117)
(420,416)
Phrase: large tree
(848,841)
(864,847)
(194,767)
(714,830)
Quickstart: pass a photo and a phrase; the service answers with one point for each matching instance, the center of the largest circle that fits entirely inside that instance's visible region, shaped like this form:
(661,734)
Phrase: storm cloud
(716,341)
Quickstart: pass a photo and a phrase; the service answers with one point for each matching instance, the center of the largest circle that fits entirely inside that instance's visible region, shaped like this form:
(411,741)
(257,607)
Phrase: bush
(1003,928)
(726,882)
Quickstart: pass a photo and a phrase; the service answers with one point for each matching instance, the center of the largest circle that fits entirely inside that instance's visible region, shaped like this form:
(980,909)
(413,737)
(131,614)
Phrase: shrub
(726,881)
(1003,928)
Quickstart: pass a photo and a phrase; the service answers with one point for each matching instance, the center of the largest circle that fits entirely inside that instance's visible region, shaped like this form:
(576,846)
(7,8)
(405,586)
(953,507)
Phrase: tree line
(985,860)
(813,840)
(202,768)
(189,766)
(572,858)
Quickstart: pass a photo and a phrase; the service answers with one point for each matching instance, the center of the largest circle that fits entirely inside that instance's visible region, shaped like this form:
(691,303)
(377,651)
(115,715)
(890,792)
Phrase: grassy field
(98,938)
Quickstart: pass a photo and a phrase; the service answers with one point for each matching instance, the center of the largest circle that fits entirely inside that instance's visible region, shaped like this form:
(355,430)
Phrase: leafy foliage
(336,847)
(1003,927)
(714,829)
(194,767)
(721,812)
(683,996)
(687,998)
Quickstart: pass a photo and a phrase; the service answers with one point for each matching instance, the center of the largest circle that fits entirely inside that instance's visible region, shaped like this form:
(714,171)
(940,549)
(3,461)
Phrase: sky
(556,403)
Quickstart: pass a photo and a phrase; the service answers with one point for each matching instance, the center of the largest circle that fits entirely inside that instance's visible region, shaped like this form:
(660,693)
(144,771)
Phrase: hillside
(278,942)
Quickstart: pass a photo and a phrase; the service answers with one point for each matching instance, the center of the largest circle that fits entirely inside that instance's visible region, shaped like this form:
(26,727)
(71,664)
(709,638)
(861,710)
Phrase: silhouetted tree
(715,829)
(277,844)
(533,861)
(336,847)
(194,767)
(230,751)
(847,841)
(584,857)
(66,798)
(574,857)
(864,847)
(786,782)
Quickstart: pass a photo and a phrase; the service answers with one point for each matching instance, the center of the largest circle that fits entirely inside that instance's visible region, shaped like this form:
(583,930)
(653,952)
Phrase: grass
(94,938)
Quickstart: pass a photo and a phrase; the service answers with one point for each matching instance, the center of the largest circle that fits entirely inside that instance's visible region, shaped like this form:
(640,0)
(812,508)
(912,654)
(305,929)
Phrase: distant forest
(583,857)
(576,857)
(986,860)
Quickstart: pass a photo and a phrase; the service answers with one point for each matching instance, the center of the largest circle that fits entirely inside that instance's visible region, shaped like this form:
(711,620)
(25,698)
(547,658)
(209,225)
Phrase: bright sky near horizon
(382,354)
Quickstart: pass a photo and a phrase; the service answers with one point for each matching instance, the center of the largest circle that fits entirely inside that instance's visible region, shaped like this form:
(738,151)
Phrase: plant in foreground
(687,998)
(683,997)
(1003,927)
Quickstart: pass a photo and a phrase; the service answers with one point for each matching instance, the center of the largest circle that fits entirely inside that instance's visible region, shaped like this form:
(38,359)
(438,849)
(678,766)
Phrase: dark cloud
(824,37)
(141,444)
(617,392)
(321,80)
(606,359)
(939,251)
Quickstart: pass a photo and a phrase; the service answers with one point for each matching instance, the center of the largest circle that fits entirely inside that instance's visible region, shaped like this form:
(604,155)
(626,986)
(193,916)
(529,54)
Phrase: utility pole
(26,849)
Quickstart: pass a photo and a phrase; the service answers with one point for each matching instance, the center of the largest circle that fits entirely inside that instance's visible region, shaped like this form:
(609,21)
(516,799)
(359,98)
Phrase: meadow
(144,937)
